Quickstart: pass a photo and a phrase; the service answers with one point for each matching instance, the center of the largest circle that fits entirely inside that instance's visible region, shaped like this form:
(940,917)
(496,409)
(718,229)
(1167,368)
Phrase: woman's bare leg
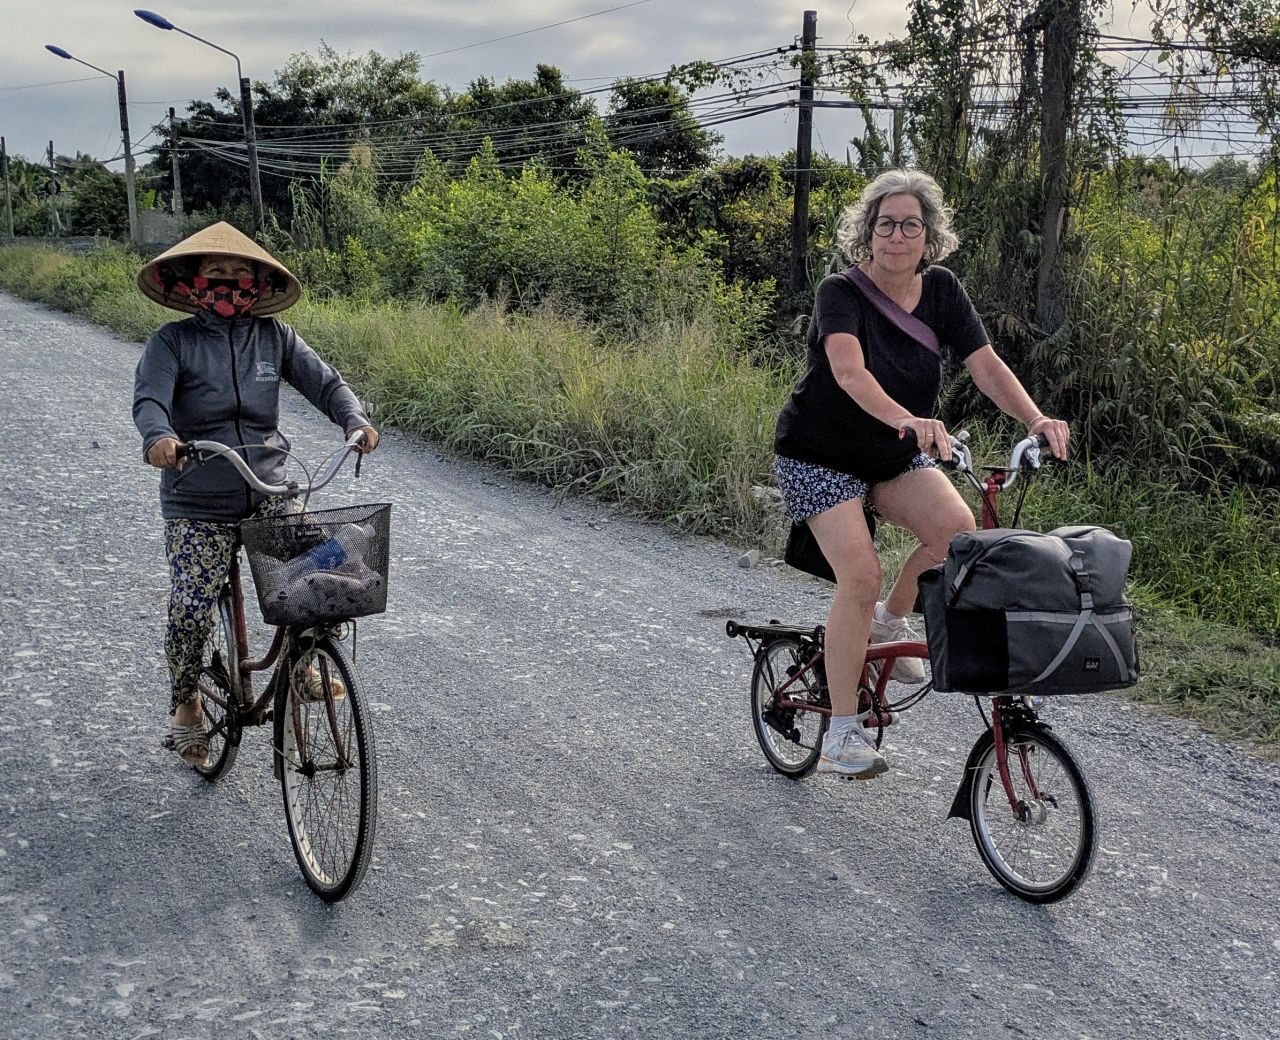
(846,543)
(928,505)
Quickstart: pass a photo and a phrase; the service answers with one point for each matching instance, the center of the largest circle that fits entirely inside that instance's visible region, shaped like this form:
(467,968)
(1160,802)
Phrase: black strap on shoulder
(902,320)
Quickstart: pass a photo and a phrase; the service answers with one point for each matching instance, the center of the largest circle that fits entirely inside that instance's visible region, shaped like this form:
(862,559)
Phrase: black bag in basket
(1021,612)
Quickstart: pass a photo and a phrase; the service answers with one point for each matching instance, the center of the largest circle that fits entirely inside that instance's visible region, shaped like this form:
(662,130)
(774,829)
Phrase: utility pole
(804,156)
(177,172)
(135,238)
(8,197)
(55,224)
(251,145)
(1061,44)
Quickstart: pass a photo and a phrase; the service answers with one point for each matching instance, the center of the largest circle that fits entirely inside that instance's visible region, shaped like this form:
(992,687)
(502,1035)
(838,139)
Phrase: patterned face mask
(225,297)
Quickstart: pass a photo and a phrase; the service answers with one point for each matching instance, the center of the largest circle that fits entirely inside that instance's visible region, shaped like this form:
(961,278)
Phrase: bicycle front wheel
(218,683)
(791,738)
(1042,848)
(328,772)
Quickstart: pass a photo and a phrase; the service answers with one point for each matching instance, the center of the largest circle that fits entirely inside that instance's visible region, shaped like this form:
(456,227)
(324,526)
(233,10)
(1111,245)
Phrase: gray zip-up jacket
(210,378)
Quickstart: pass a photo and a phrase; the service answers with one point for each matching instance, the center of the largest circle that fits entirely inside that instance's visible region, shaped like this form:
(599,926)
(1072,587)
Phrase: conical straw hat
(221,239)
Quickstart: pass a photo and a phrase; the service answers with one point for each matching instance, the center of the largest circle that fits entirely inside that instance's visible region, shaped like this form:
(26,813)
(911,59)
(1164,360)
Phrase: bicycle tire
(333,849)
(1032,749)
(219,663)
(791,738)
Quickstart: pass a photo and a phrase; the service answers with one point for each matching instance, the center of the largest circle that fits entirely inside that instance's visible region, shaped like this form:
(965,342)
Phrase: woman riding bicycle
(216,376)
(840,442)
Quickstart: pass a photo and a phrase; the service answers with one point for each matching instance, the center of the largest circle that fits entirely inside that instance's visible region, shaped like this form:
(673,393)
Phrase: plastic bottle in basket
(349,544)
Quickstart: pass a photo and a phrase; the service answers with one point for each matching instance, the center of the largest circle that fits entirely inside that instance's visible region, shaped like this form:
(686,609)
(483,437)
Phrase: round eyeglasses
(912,227)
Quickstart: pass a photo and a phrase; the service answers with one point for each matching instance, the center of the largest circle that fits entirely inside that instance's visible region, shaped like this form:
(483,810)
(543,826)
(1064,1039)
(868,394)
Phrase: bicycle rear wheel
(328,773)
(791,738)
(1043,850)
(218,664)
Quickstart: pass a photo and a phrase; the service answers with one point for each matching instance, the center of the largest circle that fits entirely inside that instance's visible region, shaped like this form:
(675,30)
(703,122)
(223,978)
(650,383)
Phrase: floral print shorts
(809,489)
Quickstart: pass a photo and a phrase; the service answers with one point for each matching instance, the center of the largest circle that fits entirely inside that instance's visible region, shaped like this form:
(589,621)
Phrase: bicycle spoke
(1044,851)
(326,792)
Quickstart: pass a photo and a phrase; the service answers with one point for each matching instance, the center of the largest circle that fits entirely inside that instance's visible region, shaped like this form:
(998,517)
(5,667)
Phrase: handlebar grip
(908,436)
(182,451)
(1042,440)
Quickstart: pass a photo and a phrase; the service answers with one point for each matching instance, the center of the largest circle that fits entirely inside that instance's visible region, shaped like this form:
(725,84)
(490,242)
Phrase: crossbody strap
(893,313)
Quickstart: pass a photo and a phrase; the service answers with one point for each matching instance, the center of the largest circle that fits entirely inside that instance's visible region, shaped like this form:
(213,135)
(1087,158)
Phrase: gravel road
(578,836)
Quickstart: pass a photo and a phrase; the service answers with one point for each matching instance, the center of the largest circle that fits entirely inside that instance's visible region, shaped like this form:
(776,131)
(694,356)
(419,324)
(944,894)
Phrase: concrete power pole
(1061,44)
(251,146)
(135,237)
(177,170)
(55,223)
(8,195)
(804,157)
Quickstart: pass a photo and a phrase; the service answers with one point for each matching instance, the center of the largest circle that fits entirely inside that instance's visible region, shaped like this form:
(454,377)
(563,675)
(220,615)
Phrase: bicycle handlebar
(290,489)
(1025,455)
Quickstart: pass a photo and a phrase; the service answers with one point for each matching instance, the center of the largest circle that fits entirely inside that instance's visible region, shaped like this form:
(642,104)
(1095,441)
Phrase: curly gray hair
(854,232)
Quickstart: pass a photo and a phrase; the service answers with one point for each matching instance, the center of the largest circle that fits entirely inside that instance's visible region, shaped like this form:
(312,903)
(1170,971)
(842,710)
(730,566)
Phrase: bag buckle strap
(1081,577)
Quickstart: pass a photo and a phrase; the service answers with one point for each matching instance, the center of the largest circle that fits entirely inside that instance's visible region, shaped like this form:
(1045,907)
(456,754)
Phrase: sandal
(190,742)
(311,686)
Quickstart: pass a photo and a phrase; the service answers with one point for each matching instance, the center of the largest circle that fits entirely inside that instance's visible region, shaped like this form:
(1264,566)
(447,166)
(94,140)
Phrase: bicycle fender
(279,706)
(960,804)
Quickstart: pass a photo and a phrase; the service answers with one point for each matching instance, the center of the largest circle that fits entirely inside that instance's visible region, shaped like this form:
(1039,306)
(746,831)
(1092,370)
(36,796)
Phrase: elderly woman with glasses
(874,371)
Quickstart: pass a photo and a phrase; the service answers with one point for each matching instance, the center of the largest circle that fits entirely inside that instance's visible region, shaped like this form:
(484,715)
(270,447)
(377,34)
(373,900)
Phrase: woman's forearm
(869,395)
(997,381)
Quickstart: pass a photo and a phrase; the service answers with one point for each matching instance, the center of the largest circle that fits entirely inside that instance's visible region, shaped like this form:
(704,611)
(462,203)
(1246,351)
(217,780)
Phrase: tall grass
(675,425)
(1173,357)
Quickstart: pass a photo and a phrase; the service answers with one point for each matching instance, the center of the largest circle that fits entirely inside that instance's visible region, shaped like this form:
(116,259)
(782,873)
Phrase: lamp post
(124,135)
(246,109)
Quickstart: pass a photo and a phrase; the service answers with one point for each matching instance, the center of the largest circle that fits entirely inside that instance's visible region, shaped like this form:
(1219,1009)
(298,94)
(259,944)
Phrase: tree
(651,119)
(1229,175)
(317,107)
(99,204)
(538,118)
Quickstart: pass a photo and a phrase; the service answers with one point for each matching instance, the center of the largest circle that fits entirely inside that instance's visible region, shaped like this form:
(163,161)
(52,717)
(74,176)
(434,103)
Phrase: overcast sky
(164,68)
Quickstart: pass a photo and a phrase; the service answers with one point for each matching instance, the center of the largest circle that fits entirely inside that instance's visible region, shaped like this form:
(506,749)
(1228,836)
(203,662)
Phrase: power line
(51,83)
(722,63)
(540,28)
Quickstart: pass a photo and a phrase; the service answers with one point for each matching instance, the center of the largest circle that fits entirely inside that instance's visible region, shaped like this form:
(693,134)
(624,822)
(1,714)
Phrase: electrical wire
(540,28)
(51,83)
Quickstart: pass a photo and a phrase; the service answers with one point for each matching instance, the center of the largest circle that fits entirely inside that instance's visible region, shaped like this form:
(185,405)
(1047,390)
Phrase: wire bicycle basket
(322,566)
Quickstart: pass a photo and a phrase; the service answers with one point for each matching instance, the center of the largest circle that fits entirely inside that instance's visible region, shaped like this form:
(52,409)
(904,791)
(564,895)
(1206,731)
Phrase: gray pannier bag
(1021,612)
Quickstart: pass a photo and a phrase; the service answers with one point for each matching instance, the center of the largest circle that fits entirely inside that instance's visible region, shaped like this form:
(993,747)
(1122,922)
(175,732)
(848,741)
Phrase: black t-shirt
(822,424)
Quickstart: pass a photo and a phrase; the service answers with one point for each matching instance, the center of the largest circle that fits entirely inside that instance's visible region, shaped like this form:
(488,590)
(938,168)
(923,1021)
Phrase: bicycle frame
(1004,709)
(242,707)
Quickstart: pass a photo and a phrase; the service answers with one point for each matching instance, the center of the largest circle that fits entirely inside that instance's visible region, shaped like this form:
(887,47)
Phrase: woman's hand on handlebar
(370,439)
(1055,431)
(931,436)
(164,454)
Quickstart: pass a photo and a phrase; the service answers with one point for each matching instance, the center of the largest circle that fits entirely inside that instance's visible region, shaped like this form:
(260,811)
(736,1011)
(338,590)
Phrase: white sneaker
(851,753)
(905,669)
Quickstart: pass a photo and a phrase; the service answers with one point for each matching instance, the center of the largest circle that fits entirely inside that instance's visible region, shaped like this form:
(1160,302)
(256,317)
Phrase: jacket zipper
(235,385)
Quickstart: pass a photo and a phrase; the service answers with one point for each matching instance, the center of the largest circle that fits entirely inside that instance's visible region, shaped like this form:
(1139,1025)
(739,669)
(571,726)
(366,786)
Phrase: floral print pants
(200,553)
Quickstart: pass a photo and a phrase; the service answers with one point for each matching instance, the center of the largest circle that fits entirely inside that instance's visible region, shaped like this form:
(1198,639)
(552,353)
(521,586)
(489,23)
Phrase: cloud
(165,68)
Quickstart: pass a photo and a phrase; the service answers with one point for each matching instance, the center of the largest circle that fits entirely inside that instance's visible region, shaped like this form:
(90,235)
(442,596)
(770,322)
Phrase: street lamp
(124,135)
(246,109)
